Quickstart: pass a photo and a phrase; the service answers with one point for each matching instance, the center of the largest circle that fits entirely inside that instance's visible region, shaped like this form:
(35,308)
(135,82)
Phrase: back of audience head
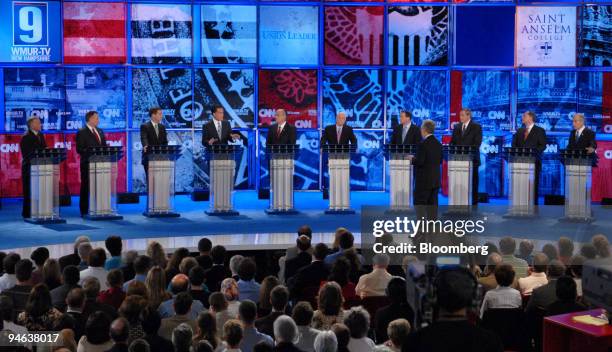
(120,330)
(303,243)
(340,271)
(151,321)
(576,263)
(397,331)
(267,284)
(304,230)
(602,246)
(39,301)
(588,251)
(75,298)
(204,245)
(6,308)
(346,240)
(114,245)
(380,261)
(455,289)
(139,345)
(357,319)
(492,247)
(9,262)
(157,253)
(97,258)
(504,275)
(285,330)
(97,328)
(202,346)
(39,256)
(132,307)
(551,251)
(78,241)
(566,247)
(196,276)
(114,278)
(320,251)
(51,271)
(326,341)
(263,346)
(525,248)
(187,264)
(247,269)
(218,254)
(232,333)
(247,312)
(540,262)
(234,264)
(302,314)
(217,302)
(343,335)
(330,299)
(207,328)
(142,264)
(507,246)
(565,289)
(91,288)
(84,249)
(23,270)
(396,290)
(229,288)
(71,275)
(137,288)
(493,260)
(176,258)
(182,303)
(182,336)
(179,283)
(555,269)
(279,297)
(129,257)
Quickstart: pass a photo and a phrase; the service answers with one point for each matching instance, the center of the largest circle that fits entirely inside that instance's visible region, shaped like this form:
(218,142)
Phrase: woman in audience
(207,330)
(343,336)
(137,288)
(97,334)
(264,307)
(602,246)
(503,296)
(131,309)
(285,334)
(397,332)
(157,253)
(156,286)
(39,313)
(354,260)
(234,264)
(302,316)
(51,274)
(326,341)
(340,272)
(330,307)
(229,288)
(551,251)
(172,268)
(357,320)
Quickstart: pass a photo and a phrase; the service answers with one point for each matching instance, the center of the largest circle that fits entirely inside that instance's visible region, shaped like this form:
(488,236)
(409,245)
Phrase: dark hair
(303,243)
(576,263)
(263,346)
(587,250)
(131,308)
(75,298)
(320,251)
(151,321)
(247,269)
(302,313)
(120,330)
(217,301)
(23,270)
(525,247)
(504,275)
(279,296)
(218,254)
(91,287)
(89,115)
(455,288)
(2,256)
(232,331)
(555,268)
(343,335)
(551,251)
(142,264)
(154,110)
(540,262)
(247,310)
(330,298)
(39,301)
(97,258)
(115,278)
(566,289)
(207,323)
(196,276)
(396,290)
(204,245)
(39,256)
(6,307)
(346,240)
(114,245)
(71,275)
(202,346)
(182,303)
(566,246)
(10,260)
(507,246)
(215,108)
(340,271)
(305,230)
(492,247)
(408,113)
(176,258)
(97,328)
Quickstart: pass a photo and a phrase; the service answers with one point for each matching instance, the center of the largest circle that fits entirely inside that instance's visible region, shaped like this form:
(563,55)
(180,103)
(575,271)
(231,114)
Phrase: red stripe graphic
(98,29)
(456,96)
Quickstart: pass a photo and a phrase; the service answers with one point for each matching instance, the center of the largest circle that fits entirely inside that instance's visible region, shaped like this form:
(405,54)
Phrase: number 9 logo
(29,23)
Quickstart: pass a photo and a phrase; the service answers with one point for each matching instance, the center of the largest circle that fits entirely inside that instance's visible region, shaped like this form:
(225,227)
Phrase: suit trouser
(25,184)
(475,185)
(426,202)
(84,194)
(536,182)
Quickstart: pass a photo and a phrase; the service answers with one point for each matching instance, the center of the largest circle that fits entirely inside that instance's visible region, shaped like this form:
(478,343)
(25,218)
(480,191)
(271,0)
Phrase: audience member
(602,246)
(311,275)
(302,315)
(544,295)
(197,289)
(397,331)
(157,253)
(128,265)
(206,330)
(20,292)
(232,334)
(131,309)
(7,313)
(218,307)
(137,288)
(75,302)
(507,247)
(343,336)
(180,283)
(279,298)
(357,320)
(155,282)
(85,249)
(551,251)
(375,283)
(217,272)
(186,265)
(139,345)
(229,288)
(114,295)
(172,268)
(97,334)
(247,286)
(8,279)
(182,306)
(182,338)
(566,249)
(503,296)
(142,265)
(329,305)
(204,259)
(202,346)
(114,246)
(293,252)
(39,256)
(326,341)
(398,309)
(120,334)
(247,312)
(264,307)
(566,294)
(537,277)
(151,322)
(340,273)
(70,279)
(588,251)
(345,243)
(73,258)
(302,259)
(51,274)
(91,288)
(526,251)
(234,265)
(576,264)
(285,334)
(96,261)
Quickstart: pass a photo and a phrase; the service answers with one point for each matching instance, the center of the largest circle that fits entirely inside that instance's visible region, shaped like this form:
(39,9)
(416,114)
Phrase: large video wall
(370,59)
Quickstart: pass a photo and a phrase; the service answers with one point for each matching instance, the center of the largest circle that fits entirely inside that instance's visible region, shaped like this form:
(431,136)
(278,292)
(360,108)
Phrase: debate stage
(253,229)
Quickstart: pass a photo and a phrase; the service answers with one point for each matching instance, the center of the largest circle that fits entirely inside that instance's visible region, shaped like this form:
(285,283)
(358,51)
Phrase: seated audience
(197,289)
(526,251)
(7,314)
(602,246)
(182,338)
(202,346)
(172,268)
(343,336)
(247,286)
(157,253)
(247,312)
(128,265)
(39,256)
(182,305)
(345,243)
(375,283)
(142,265)
(588,251)
(180,283)
(156,287)
(503,296)
(75,302)
(397,331)
(187,264)
(576,264)
(70,279)
(544,295)
(325,341)
(285,334)
(120,333)
(21,291)
(566,293)
(234,266)
(204,259)
(96,261)
(302,315)
(114,246)
(340,273)
(73,258)
(91,288)
(217,272)
(537,277)
(357,320)
(264,307)
(551,251)
(312,274)
(151,322)
(206,330)
(566,250)
(8,279)
(279,297)
(329,305)
(114,295)
(51,274)
(507,247)
(85,249)
(131,309)
(232,335)
(229,288)
(302,259)
(97,334)
(218,308)
(398,309)
(293,252)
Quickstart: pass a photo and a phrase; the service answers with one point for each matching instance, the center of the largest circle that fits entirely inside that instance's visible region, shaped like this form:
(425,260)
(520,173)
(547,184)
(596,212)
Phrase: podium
(160,188)
(44,186)
(103,183)
(339,166)
(281,164)
(460,160)
(521,166)
(222,169)
(401,175)
(577,185)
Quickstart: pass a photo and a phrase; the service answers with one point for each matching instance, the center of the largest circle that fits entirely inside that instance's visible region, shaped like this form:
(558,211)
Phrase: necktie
(526,134)
(156,130)
(404,132)
(278,131)
(463,129)
(578,135)
(338,133)
(97,135)
(218,128)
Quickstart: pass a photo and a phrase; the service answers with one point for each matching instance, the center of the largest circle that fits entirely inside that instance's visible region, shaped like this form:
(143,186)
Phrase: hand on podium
(212,141)
(590,150)
(235,136)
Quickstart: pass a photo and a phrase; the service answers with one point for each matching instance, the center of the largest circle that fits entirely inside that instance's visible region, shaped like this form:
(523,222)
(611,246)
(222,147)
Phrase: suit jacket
(168,325)
(69,259)
(472,137)
(214,276)
(427,164)
(29,144)
(308,276)
(413,136)
(294,264)
(209,131)
(347,136)
(265,325)
(148,136)
(587,139)
(86,139)
(58,296)
(535,139)
(79,324)
(287,136)
(543,296)
(387,314)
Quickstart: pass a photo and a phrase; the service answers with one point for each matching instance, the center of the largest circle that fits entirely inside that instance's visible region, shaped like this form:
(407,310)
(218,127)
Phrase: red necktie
(278,132)
(97,136)
(526,134)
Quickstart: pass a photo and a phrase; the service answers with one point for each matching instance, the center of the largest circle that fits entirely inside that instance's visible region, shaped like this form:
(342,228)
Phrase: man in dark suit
(218,271)
(301,260)
(406,132)
(468,132)
(31,141)
(531,136)
(152,133)
(281,132)
(279,297)
(581,137)
(426,163)
(218,131)
(88,137)
(340,133)
(311,275)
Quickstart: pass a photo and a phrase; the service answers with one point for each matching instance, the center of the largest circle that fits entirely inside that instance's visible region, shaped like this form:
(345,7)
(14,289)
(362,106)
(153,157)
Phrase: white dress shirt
(98,272)
(374,283)
(579,132)
(531,282)
(501,297)
(7,281)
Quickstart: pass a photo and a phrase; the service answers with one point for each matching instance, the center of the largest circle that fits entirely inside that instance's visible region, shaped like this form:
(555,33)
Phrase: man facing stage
(281,132)
(581,137)
(427,161)
(340,133)
(406,133)
(87,137)
(152,133)
(468,132)
(31,141)
(531,136)
(218,131)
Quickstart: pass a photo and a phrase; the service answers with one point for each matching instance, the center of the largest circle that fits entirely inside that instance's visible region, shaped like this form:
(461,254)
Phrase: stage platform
(253,229)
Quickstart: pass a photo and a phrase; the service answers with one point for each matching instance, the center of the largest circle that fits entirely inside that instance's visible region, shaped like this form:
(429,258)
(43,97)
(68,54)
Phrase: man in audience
(247,286)
(232,334)
(218,308)
(196,290)
(91,288)
(566,293)
(128,265)
(8,279)
(292,252)
(70,279)
(7,313)
(114,246)
(114,296)
(503,296)
(234,265)
(179,283)
(39,256)
(302,259)
(73,258)
(566,250)
(204,259)
(345,242)
(588,251)
(217,272)
(507,247)
(537,277)
(525,251)
(151,322)
(96,261)
(182,338)
(84,249)
(302,315)
(312,274)
(142,265)
(357,320)
(182,306)
(455,290)
(399,308)
(285,334)
(576,264)
(279,297)
(544,295)
(247,312)
(397,331)
(487,280)
(75,301)
(375,283)
(343,336)
(21,291)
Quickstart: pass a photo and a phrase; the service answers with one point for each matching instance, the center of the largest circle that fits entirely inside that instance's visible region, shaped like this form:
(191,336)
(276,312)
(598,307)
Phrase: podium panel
(103,183)
(460,182)
(222,186)
(522,191)
(578,192)
(44,186)
(339,183)
(400,192)
(161,161)
(281,184)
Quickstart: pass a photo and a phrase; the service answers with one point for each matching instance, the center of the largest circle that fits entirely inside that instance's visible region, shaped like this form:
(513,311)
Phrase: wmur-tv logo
(30,31)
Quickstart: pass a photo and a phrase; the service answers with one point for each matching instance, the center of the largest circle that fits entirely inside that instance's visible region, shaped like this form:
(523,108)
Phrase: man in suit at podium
(87,137)
(427,161)
(582,137)
(31,141)
(281,132)
(339,133)
(468,132)
(406,133)
(152,133)
(531,136)
(218,131)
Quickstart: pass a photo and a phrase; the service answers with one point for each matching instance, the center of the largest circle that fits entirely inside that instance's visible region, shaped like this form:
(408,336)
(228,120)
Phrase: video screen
(229,34)
(595,35)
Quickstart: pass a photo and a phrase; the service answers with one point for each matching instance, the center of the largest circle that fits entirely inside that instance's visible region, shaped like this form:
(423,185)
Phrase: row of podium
(45,174)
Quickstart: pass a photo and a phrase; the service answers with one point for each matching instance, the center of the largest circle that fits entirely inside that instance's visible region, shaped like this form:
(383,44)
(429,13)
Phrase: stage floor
(253,228)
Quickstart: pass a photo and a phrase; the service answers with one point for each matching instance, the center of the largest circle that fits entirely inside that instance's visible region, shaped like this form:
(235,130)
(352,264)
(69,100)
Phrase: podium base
(398,210)
(161,215)
(458,210)
(281,211)
(521,216)
(576,220)
(45,221)
(222,213)
(339,211)
(103,217)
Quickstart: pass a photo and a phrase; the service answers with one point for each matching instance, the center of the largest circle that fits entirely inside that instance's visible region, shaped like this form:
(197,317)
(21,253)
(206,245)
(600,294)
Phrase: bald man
(178,284)
(31,141)
(339,133)
(281,132)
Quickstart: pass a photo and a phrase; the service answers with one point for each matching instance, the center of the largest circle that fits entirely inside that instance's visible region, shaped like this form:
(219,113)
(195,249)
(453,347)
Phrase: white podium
(160,189)
(401,176)
(282,166)
(103,183)
(460,160)
(521,166)
(44,186)
(222,170)
(578,166)
(339,166)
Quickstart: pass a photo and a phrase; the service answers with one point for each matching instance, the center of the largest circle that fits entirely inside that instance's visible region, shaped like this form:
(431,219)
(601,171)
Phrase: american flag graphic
(94,33)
